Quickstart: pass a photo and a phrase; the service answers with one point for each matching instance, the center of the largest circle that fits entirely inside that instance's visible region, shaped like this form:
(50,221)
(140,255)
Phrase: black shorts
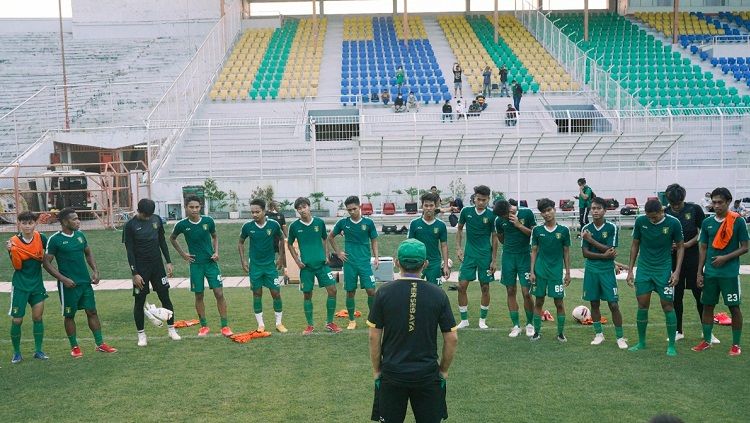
(155,275)
(427,401)
(689,269)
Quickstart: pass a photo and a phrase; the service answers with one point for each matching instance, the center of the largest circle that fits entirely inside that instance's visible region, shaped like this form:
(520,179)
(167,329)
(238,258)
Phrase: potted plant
(341,212)
(457,189)
(287,209)
(367,208)
(234,205)
(216,199)
(316,198)
(411,206)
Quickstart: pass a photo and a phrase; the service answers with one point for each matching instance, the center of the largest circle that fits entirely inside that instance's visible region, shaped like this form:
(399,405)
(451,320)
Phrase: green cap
(412,251)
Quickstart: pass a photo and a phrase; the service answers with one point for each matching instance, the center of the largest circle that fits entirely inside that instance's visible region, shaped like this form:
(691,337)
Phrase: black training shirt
(691,218)
(410,311)
(145,242)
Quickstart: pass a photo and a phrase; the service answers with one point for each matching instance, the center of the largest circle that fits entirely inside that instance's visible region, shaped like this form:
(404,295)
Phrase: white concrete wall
(16,25)
(143,18)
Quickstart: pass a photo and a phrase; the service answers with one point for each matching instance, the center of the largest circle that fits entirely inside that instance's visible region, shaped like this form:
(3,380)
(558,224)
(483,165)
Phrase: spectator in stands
(447,111)
(487,81)
(374,97)
(412,103)
(457,80)
(460,110)
(706,203)
(474,109)
(400,77)
(517,94)
(738,208)
(385,97)
(510,116)
(482,101)
(398,104)
(504,81)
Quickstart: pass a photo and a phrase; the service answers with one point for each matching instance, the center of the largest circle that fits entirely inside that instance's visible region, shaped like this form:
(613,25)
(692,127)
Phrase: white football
(158,312)
(151,318)
(581,313)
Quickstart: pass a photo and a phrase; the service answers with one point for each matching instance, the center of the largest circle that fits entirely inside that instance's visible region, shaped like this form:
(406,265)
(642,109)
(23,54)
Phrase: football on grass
(581,313)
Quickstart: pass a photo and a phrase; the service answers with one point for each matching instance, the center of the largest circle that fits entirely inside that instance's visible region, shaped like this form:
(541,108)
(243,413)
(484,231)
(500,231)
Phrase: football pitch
(327,378)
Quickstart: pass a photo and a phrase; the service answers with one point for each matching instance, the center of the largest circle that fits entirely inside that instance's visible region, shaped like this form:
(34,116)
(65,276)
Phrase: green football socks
(370,300)
(671,318)
(203,321)
(350,307)
(642,324)
(73,341)
(560,324)
(330,308)
(537,323)
(597,327)
(529,317)
(224,322)
(483,311)
(464,312)
(736,334)
(38,335)
(257,304)
(618,332)
(98,339)
(15,337)
(308,312)
(707,329)
(277,305)
(514,318)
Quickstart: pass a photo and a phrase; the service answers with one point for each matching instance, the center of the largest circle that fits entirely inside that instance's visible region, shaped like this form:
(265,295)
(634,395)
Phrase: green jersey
(29,277)
(709,229)
(608,235)
(550,245)
(582,204)
(311,249)
(198,237)
(515,241)
(655,257)
(479,228)
(357,236)
(261,251)
(431,235)
(70,254)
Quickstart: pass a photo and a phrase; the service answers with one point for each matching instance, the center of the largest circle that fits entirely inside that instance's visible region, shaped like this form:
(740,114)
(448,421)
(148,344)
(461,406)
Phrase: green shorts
(307,278)
(476,268)
(264,276)
(515,266)
(361,272)
(204,271)
(80,297)
(645,283)
(19,299)
(729,288)
(433,274)
(552,289)
(600,286)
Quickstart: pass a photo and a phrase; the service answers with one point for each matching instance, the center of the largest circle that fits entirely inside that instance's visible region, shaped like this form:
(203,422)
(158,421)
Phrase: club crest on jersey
(268,232)
(665,231)
(80,240)
(154,225)
(205,226)
(558,236)
(688,216)
(605,234)
(316,229)
(485,220)
(435,230)
(364,227)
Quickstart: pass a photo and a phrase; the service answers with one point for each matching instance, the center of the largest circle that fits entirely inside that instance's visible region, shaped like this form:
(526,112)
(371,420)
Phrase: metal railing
(187,91)
(583,68)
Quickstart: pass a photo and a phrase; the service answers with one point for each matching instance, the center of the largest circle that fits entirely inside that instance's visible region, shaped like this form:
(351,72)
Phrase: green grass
(327,378)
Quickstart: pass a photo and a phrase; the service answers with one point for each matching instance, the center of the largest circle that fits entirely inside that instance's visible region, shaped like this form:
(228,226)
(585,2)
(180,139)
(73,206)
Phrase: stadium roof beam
(675,27)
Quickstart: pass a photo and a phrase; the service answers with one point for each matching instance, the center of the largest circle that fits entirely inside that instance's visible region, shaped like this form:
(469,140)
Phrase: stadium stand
(302,71)
(372,50)
(647,68)
(688,23)
(740,19)
(242,65)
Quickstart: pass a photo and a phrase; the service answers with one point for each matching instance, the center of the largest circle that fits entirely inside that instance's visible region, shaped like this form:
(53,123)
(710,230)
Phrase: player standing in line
(69,248)
(203,257)
(599,241)
(145,243)
(656,234)
(513,227)
(312,261)
(550,251)
(360,236)
(433,233)
(479,261)
(723,240)
(691,217)
(26,251)
(263,233)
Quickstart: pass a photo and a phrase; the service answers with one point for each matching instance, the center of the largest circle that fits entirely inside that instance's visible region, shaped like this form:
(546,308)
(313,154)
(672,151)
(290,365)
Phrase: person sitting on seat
(460,110)
(510,116)
(482,102)
(398,104)
(385,97)
(447,111)
(411,102)
(374,98)
(474,108)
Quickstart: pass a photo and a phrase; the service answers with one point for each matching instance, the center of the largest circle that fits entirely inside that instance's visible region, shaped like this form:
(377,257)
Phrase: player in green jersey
(723,240)
(263,234)
(599,241)
(655,235)
(434,235)
(479,259)
(513,227)
(360,252)
(26,251)
(550,251)
(203,257)
(72,252)
(312,260)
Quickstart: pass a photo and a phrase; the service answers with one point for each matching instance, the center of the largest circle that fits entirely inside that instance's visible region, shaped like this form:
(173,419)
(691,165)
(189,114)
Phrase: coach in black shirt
(691,217)
(404,320)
